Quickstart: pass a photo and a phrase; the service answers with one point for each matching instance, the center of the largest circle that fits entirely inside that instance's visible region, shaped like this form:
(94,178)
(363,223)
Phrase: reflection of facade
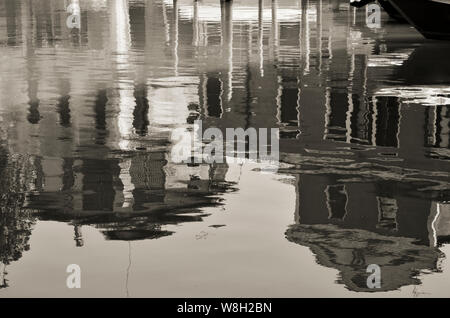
(101,103)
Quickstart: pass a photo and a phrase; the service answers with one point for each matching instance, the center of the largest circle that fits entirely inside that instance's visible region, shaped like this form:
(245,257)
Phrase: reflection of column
(121,46)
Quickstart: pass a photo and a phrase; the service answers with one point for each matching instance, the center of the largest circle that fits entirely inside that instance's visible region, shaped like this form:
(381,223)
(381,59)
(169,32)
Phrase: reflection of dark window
(137,25)
(98,187)
(387,209)
(148,177)
(63,106)
(288,111)
(437,126)
(140,113)
(360,122)
(11,26)
(213,92)
(336,201)
(338,116)
(387,121)
(100,116)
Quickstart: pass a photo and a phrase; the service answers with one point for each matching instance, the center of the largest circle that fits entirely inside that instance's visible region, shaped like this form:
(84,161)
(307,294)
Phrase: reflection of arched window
(336,196)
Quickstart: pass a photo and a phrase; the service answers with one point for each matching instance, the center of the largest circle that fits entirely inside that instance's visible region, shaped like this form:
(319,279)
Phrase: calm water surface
(86,117)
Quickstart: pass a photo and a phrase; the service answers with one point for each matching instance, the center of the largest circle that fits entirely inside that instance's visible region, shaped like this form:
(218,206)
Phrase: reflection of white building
(243,11)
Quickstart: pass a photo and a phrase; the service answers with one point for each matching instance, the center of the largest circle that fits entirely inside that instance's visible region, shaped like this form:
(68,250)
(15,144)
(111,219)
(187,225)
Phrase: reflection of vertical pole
(166,23)
(275,30)
(307,38)
(261,37)
(195,31)
(175,37)
(227,28)
(319,33)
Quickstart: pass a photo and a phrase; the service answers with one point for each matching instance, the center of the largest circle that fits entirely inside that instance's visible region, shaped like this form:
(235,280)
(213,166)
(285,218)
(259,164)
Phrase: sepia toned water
(86,176)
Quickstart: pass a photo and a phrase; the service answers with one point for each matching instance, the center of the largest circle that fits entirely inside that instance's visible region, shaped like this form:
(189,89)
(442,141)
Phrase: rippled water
(86,117)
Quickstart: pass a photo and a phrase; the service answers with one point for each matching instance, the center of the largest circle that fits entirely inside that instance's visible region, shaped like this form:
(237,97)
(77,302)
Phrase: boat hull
(429,17)
(391,11)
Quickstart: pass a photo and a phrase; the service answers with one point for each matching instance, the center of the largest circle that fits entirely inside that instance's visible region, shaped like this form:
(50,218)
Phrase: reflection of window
(437,127)
(336,116)
(387,213)
(336,196)
(213,96)
(387,122)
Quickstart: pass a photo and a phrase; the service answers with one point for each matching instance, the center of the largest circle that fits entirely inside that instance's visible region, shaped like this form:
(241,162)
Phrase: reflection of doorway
(336,198)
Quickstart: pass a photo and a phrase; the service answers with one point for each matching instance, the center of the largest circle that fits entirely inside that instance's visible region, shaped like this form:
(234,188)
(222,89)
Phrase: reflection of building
(352,225)
(101,103)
